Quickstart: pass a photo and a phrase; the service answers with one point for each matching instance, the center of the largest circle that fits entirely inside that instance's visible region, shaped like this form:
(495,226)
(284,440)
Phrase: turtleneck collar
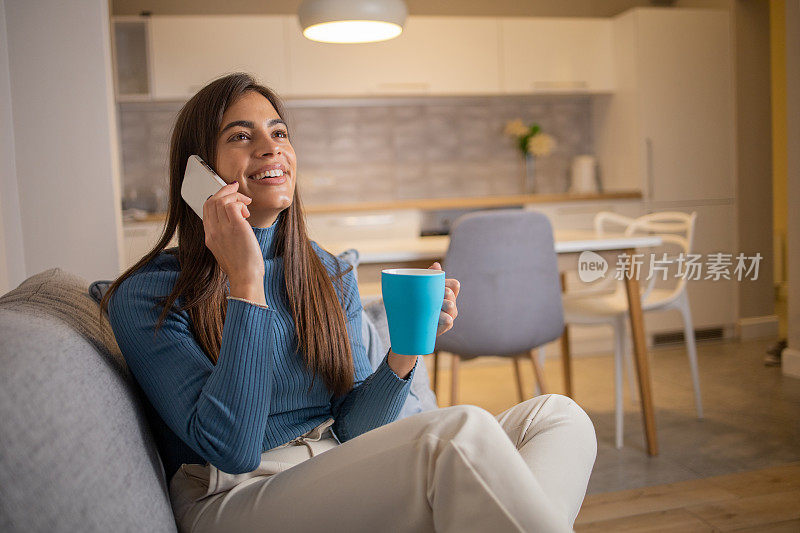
(266,238)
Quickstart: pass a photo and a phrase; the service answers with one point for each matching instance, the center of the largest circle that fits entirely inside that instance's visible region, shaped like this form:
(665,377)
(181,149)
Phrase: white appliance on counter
(583,175)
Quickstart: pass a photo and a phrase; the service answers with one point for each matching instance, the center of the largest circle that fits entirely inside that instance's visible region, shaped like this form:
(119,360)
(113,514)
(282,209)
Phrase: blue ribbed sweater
(259,394)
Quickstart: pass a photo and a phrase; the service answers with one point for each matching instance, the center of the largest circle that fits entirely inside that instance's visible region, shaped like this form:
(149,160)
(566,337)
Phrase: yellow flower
(515,128)
(541,144)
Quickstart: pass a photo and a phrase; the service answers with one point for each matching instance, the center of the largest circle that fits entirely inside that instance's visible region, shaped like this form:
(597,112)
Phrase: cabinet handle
(650,179)
(560,85)
(403,86)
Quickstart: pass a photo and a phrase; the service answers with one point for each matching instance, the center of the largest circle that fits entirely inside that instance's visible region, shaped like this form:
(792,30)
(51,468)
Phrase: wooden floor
(765,500)
(736,470)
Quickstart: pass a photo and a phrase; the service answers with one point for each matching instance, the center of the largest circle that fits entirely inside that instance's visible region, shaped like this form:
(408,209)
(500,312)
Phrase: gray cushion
(77,454)
(62,295)
(376,337)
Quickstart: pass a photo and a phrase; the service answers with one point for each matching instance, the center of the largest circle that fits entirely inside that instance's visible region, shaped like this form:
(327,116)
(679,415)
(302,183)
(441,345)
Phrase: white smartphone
(199,183)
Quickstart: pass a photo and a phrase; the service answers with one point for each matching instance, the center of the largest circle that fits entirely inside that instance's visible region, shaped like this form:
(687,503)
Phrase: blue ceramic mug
(413,298)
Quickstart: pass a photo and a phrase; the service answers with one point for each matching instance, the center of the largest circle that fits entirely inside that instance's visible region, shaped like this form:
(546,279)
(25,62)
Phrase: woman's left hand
(449,310)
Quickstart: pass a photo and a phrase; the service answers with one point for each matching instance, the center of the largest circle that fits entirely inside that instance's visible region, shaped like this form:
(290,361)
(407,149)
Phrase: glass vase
(529,182)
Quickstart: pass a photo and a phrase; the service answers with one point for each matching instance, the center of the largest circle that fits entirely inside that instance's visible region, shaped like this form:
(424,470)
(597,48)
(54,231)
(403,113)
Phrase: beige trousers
(456,469)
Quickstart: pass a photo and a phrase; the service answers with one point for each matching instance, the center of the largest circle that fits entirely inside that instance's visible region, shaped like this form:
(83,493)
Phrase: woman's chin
(274,199)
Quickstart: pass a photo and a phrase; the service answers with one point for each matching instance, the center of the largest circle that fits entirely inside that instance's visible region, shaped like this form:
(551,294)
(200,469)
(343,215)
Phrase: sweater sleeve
(377,397)
(220,410)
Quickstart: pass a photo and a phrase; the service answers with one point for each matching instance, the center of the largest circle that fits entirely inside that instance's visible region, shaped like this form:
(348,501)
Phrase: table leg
(566,361)
(640,356)
(565,355)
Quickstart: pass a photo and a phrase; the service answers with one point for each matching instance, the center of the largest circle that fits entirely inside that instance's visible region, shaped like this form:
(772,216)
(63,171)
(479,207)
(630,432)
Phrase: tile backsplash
(357,150)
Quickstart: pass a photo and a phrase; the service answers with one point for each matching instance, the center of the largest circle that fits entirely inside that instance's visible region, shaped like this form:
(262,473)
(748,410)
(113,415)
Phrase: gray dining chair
(510,299)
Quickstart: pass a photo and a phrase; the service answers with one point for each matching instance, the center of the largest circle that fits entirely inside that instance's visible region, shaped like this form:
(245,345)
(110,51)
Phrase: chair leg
(619,331)
(565,360)
(518,373)
(691,349)
(436,372)
(538,372)
(456,359)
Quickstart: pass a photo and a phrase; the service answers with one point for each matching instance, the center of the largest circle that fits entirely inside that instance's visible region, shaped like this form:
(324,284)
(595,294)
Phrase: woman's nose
(268,146)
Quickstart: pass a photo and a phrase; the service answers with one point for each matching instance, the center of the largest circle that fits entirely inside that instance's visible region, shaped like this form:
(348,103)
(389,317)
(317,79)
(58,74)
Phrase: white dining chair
(593,306)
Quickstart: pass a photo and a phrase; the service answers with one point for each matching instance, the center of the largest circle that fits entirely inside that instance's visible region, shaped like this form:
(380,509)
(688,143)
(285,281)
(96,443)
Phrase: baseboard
(790,362)
(757,327)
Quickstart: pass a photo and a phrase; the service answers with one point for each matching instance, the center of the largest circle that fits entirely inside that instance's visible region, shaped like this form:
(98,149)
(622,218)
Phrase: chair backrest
(675,228)
(510,299)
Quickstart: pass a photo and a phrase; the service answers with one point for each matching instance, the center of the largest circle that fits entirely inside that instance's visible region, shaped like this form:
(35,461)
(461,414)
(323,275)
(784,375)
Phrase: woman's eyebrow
(249,124)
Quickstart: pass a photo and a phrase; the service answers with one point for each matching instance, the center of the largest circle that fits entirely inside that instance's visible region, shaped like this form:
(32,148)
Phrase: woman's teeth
(267,174)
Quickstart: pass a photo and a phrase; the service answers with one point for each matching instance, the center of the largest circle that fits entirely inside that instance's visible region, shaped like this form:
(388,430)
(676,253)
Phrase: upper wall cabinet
(557,55)
(129,44)
(437,55)
(189,51)
(171,57)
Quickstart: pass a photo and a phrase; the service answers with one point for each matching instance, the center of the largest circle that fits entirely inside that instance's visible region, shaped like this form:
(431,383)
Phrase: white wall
(12,260)
(64,139)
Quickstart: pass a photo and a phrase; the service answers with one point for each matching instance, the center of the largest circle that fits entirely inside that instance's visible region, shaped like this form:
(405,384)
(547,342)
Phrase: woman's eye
(240,136)
(282,133)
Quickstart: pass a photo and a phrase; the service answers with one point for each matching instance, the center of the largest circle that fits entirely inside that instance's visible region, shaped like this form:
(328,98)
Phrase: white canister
(584,175)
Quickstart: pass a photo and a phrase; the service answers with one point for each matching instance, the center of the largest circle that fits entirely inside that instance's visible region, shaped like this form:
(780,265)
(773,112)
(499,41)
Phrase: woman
(259,373)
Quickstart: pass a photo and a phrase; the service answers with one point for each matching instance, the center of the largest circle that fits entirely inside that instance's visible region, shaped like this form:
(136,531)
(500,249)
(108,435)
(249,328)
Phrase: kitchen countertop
(429,204)
(435,247)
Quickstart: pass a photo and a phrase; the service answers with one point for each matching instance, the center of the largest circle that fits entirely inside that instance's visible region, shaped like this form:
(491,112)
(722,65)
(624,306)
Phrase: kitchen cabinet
(189,51)
(436,55)
(383,225)
(169,57)
(129,45)
(557,55)
(713,303)
(580,215)
(669,129)
(139,238)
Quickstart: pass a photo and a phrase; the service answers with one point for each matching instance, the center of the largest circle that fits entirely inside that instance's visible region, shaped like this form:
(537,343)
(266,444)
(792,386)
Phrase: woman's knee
(564,409)
(460,419)
(548,411)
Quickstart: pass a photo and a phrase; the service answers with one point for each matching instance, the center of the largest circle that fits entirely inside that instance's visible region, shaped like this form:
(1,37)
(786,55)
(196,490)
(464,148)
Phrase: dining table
(569,245)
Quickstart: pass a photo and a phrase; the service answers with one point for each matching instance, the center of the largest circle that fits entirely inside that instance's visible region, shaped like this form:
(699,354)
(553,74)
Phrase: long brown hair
(310,293)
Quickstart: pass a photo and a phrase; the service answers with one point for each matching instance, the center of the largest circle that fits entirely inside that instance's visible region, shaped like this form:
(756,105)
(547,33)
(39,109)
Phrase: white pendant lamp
(352,21)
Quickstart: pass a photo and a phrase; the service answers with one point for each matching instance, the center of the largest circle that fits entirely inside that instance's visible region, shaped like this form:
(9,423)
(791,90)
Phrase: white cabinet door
(557,55)
(139,238)
(189,51)
(433,55)
(580,215)
(686,103)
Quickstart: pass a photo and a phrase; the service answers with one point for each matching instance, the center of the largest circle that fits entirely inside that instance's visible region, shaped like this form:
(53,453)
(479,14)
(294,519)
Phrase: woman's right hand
(232,241)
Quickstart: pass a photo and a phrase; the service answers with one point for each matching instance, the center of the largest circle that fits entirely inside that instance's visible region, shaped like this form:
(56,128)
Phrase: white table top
(430,248)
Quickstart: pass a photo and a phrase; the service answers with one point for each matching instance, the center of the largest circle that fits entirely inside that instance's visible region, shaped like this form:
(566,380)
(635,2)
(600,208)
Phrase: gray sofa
(77,451)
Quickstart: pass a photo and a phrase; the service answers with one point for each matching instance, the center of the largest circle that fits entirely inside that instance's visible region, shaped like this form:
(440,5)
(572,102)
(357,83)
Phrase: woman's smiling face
(253,142)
